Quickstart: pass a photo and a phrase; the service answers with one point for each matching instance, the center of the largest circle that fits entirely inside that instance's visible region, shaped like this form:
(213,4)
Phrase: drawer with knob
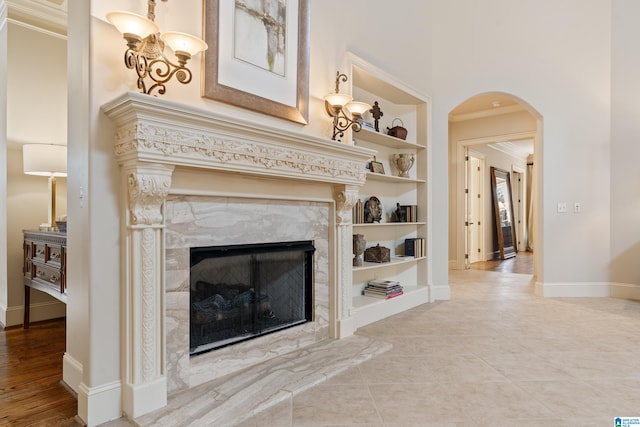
(47,274)
(44,266)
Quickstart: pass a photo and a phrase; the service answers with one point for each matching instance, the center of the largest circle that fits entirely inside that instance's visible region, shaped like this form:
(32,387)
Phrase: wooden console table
(45,266)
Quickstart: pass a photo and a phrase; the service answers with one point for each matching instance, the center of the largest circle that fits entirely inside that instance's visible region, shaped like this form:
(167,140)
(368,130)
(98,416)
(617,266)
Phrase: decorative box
(377,253)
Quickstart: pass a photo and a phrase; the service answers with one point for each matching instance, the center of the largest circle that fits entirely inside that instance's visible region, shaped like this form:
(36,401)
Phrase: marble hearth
(191,177)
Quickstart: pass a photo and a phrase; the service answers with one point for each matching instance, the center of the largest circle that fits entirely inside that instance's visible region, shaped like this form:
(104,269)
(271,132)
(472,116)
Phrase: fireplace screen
(244,291)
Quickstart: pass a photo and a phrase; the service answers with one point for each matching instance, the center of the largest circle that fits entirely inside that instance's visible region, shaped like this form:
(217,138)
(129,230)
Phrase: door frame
(460,150)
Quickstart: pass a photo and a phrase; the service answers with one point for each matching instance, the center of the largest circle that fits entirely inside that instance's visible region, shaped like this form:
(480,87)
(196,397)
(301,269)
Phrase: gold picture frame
(239,80)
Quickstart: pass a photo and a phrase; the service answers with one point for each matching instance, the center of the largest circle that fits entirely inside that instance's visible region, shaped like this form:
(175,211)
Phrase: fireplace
(195,178)
(239,292)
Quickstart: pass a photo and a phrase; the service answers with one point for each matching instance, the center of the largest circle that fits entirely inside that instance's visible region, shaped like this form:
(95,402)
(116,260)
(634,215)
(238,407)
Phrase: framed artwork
(377,167)
(258,56)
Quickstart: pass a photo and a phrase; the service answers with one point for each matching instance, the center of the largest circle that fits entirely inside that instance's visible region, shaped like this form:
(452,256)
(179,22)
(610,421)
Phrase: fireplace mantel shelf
(154,130)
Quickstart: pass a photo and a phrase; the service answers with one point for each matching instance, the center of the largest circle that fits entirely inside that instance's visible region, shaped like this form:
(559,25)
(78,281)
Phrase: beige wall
(27,206)
(36,113)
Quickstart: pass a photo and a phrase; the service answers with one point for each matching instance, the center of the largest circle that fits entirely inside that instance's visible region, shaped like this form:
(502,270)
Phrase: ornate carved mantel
(153,137)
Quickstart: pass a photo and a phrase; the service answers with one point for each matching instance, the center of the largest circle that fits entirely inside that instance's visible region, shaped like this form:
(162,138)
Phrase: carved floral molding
(155,130)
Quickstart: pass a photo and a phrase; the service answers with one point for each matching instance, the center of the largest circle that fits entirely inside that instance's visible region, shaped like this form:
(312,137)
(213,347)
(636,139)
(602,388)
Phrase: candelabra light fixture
(145,49)
(345,111)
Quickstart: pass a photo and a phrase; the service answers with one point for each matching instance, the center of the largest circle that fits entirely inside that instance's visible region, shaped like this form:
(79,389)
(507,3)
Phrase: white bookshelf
(397,101)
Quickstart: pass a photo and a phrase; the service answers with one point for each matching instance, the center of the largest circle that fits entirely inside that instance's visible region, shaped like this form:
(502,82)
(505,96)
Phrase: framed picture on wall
(258,56)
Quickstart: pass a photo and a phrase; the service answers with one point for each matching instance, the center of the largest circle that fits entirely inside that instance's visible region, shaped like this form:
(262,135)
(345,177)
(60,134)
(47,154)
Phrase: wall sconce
(145,49)
(50,161)
(341,106)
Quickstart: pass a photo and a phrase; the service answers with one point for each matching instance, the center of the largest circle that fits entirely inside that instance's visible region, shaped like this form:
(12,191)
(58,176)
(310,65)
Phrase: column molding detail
(346,197)
(146,188)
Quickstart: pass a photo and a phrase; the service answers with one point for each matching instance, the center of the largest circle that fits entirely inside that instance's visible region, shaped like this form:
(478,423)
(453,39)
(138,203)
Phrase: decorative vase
(359,245)
(404,162)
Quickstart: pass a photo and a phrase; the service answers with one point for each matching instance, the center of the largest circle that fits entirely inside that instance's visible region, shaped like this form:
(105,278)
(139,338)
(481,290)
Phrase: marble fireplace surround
(165,150)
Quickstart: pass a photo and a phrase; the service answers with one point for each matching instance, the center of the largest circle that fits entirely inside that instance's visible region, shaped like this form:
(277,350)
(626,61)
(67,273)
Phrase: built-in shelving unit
(401,105)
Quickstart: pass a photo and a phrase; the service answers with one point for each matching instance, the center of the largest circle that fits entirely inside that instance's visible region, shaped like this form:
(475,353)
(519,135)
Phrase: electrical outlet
(562,207)
(577,207)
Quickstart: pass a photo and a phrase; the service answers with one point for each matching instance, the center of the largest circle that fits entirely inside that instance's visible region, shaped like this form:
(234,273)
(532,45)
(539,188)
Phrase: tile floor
(493,355)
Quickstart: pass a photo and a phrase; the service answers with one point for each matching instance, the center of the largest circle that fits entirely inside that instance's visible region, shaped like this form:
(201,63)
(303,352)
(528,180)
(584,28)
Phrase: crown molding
(49,15)
(486,113)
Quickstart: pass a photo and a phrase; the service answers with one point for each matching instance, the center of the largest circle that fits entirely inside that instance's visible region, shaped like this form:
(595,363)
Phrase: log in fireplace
(241,292)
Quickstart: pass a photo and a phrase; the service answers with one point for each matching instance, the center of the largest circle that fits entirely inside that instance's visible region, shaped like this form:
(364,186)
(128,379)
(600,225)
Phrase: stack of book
(386,289)
(358,212)
(415,247)
(408,213)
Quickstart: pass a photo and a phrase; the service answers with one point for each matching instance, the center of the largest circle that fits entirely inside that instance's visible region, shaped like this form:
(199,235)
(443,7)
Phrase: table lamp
(50,161)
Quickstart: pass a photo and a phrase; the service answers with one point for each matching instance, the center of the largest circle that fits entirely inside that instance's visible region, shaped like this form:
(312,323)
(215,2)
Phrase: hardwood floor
(522,263)
(31,391)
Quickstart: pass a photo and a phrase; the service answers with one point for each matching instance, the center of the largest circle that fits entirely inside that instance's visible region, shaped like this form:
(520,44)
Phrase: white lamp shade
(130,23)
(338,100)
(182,42)
(44,159)
(357,108)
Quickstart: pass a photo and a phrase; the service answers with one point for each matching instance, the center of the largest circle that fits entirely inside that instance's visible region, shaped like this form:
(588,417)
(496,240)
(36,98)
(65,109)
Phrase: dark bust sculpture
(372,210)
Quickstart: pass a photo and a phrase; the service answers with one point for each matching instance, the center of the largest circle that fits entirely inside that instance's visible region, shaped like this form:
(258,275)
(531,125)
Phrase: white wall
(625,147)
(556,57)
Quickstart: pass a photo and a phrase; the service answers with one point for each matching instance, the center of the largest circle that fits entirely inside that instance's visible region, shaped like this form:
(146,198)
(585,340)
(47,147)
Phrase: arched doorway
(493,129)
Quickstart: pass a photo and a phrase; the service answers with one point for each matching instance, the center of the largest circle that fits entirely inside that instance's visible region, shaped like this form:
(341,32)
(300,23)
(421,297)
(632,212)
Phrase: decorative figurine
(372,210)
(376,112)
(359,245)
(404,162)
(400,213)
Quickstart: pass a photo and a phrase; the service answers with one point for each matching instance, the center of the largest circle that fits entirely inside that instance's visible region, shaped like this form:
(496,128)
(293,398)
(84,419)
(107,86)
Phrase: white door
(518,208)
(475,208)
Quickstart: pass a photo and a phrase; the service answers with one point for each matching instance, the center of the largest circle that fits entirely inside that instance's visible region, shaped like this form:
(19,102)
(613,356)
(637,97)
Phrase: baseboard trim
(141,399)
(39,311)
(97,405)
(625,291)
(573,290)
(3,316)
(346,327)
(71,372)
(439,293)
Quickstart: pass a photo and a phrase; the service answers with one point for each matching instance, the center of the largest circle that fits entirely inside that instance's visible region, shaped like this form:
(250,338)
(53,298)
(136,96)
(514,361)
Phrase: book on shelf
(415,247)
(383,289)
(358,212)
(383,296)
(365,124)
(383,283)
(407,213)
